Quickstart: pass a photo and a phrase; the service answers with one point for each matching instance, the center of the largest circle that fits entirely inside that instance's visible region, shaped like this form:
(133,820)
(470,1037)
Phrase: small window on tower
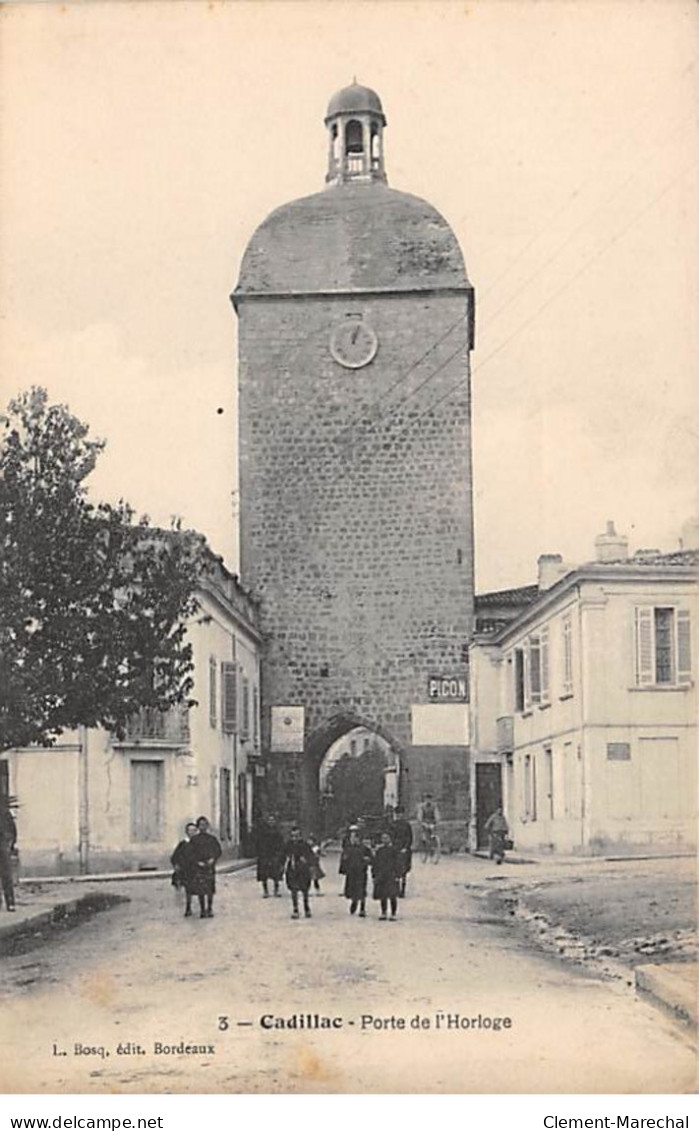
(354,140)
(335,143)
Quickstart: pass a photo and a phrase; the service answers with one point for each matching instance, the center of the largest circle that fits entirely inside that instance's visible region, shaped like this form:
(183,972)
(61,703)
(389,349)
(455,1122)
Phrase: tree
(355,786)
(93,607)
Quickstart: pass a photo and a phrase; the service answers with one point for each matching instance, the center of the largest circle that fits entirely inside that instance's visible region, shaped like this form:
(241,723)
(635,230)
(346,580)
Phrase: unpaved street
(140,976)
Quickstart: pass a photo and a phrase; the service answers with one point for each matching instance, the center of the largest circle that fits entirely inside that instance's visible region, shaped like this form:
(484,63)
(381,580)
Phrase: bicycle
(431,844)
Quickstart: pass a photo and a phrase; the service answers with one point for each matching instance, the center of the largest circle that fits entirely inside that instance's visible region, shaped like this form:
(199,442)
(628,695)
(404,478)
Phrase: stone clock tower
(355,327)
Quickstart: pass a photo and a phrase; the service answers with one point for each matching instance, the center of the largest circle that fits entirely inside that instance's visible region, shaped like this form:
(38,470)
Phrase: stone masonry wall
(356,512)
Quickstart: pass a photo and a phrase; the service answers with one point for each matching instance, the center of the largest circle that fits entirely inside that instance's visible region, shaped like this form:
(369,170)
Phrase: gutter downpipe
(583,753)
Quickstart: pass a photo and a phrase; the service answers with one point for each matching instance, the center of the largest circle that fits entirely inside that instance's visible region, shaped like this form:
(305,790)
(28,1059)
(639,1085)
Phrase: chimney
(610,546)
(551,570)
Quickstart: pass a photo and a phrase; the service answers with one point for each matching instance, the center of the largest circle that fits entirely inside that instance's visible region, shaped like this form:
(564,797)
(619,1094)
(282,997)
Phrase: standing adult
(385,869)
(497,829)
(298,869)
(206,851)
(403,843)
(8,842)
(354,864)
(270,855)
(427,811)
(185,866)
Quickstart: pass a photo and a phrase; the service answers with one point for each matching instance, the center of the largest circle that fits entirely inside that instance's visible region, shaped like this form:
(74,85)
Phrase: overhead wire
(366,422)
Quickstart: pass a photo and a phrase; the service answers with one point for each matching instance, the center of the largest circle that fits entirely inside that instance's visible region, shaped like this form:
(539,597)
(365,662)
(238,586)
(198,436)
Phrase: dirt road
(448,998)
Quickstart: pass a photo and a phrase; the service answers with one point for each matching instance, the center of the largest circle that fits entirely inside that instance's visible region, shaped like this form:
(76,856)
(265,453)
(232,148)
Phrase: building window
(663,647)
(212,690)
(529,787)
(547,802)
(229,697)
(567,655)
(536,669)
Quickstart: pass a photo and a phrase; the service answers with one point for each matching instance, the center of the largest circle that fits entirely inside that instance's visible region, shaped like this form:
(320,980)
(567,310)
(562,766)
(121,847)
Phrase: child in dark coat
(354,864)
(386,869)
(185,866)
(298,869)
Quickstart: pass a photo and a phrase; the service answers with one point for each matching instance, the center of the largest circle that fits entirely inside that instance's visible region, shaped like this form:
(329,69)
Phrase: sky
(142,144)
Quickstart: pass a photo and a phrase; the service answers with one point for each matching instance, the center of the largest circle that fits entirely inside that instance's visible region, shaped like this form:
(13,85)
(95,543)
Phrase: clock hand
(354,335)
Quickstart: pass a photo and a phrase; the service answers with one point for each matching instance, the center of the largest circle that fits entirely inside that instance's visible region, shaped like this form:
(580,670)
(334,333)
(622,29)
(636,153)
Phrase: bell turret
(355,121)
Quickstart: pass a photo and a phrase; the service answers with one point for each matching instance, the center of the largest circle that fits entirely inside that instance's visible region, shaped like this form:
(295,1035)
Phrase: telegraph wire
(568,239)
(360,421)
(360,425)
(569,282)
(576,192)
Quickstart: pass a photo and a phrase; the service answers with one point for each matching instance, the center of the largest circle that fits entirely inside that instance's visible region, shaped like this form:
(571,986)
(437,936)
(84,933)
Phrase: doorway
(488,797)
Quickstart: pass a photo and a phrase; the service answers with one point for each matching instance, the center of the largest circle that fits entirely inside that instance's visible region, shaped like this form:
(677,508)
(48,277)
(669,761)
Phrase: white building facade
(584,710)
(94,803)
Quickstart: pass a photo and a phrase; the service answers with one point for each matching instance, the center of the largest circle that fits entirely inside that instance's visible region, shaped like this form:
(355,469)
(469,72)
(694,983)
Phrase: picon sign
(447,689)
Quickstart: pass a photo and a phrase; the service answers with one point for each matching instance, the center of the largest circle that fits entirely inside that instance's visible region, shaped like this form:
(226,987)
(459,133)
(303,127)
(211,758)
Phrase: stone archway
(381,754)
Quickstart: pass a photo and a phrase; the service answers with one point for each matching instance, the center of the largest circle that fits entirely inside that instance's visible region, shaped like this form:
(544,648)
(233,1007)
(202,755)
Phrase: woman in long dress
(206,851)
(184,863)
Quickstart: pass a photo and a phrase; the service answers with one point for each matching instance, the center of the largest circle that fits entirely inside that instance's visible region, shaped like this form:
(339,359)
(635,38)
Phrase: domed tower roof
(357,235)
(363,237)
(355,99)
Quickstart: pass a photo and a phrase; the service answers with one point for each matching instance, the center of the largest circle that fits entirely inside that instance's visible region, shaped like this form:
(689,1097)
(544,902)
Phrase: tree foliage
(355,787)
(93,606)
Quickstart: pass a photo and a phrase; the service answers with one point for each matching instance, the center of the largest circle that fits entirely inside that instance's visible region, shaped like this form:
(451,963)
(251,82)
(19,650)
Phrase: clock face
(354,344)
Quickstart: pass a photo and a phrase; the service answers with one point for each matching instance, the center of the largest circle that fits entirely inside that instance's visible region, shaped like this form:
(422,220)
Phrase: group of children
(297,861)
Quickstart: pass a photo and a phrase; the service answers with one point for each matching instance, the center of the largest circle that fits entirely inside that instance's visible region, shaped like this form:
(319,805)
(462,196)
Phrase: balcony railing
(168,728)
(505,734)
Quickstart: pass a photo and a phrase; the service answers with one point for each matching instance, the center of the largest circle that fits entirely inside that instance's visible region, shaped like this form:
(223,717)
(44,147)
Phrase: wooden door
(147,801)
(488,797)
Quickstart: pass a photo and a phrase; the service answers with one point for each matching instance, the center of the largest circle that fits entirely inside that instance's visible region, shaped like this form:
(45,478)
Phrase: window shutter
(229,682)
(527,665)
(567,656)
(544,645)
(245,722)
(645,675)
(212,691)
(684,646)
(535,668)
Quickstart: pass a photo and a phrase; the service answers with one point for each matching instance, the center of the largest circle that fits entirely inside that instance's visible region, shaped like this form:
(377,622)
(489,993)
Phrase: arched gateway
(355,328)
(353,769)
